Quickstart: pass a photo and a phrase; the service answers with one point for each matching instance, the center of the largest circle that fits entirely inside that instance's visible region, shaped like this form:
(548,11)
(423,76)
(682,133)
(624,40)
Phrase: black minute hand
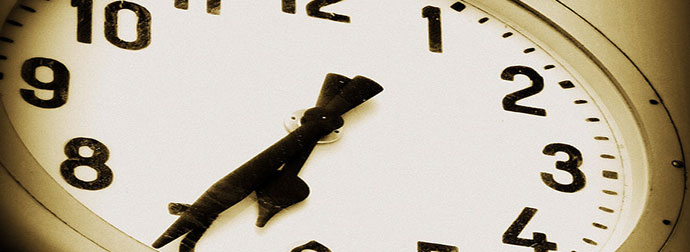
(276,188)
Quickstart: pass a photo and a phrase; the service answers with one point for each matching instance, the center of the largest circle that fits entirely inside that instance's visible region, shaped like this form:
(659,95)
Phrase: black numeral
(143,25)
(538,241)
(571,166)
(182,4)
(434,247)
(536,87)
(84,19)
(212,6)
(314,10)
(96,161)
(58,85)
(433,14)
(289,6)
(311,246)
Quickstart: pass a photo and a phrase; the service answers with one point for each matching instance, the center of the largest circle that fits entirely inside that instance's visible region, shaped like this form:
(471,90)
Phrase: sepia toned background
(653,34)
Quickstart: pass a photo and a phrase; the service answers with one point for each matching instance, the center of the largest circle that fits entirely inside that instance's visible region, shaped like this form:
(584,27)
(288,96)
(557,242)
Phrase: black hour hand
(278,195)
(276,187)
(338,95)
(286,188)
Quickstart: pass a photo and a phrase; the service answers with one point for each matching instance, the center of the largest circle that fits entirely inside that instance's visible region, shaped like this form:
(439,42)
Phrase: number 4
(538,241)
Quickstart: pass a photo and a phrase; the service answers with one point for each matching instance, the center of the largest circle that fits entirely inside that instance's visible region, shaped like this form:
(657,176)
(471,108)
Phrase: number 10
(85,19)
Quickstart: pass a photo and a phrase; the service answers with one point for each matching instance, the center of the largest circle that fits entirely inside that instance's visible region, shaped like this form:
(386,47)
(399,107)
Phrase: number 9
(58,85)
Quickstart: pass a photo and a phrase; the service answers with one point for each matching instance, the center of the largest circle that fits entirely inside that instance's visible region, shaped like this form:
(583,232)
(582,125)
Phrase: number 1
(434,15)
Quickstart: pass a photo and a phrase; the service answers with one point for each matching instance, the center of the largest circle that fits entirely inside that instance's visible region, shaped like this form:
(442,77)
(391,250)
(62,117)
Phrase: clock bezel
(659,204)
(658,134)
(661,201)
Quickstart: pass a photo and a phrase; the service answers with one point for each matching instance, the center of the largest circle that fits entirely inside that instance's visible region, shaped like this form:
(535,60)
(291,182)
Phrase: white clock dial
(496,131)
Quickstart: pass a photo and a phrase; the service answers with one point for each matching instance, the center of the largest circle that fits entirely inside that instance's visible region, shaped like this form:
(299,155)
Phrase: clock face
(485,138)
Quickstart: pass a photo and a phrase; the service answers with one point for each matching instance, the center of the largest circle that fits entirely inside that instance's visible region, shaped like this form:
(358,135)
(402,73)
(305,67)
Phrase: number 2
(537,86)
(314,10)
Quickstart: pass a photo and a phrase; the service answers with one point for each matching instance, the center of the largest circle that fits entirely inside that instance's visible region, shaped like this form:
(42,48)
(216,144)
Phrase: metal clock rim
(651,115)
(110,237)
(44,190)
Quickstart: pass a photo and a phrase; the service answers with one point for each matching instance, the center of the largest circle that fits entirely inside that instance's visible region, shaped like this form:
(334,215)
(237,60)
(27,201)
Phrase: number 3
(571,166)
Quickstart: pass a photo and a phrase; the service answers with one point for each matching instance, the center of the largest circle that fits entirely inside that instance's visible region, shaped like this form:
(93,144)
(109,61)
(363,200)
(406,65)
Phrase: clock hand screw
(327,122)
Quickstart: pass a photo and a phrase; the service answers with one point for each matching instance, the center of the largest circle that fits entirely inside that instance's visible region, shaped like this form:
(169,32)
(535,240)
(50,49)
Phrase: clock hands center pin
(272,174)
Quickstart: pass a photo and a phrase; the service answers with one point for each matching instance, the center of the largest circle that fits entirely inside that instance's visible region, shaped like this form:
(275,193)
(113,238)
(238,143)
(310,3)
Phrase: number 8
(95,161)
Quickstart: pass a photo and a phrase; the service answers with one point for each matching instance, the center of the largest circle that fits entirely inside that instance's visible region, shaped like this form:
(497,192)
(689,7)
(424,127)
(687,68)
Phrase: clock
(331,126)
